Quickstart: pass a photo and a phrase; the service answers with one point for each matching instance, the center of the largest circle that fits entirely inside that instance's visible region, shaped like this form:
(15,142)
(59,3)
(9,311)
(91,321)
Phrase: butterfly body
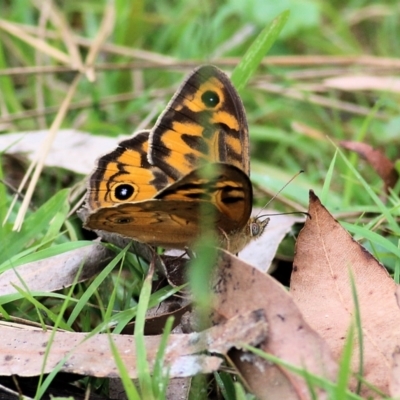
(187,176)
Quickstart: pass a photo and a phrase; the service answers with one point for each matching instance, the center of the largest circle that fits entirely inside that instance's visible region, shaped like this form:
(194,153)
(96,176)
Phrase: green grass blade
(142,364)
(225,384)
(239,391)
(3,201)
(257,51)
(125,316)
(38,222)
(26,257)
(349,188)
(130,388)
(328,180)
(8,92)
(373,237)
(360,336)
(315,380)
(345,365)
(43,387)
(43,310)
(382,207)
(94,285)
(396,276)
(160,377)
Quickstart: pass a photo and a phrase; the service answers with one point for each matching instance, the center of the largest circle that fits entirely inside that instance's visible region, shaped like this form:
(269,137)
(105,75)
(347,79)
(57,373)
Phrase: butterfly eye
(210,99)
(254,229)
(124,192)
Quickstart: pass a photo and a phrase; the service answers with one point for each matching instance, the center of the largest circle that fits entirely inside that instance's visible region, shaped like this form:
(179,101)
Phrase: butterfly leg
(190,253)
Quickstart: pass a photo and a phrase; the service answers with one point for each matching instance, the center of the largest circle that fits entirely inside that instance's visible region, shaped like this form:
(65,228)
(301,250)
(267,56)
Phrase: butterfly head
(257,226)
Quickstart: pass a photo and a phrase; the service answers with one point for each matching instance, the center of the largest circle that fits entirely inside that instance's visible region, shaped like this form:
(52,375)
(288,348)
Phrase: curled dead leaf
(238,288)
(325,258)
(377,159)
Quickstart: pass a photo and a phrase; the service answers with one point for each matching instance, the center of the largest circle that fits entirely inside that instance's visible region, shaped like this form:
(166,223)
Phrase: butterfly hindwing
(216,195)
(224,186)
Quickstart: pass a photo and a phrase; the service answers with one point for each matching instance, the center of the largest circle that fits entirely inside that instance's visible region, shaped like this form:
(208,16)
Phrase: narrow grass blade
(315,380)
(33,254)
(160,376)
(349,188)
(360,335)
(328,180)
(257,51)
(382,207)
(225,384)
(373,237)
(142,364)
(43,387)
(130,389)
(94,286)
(43,310)
(35,224)
(239,391)
(124,317)
(396,276)
(345,365)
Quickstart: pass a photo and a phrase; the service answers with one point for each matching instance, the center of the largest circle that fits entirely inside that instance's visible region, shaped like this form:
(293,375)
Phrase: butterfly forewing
(125,175)
(204,122)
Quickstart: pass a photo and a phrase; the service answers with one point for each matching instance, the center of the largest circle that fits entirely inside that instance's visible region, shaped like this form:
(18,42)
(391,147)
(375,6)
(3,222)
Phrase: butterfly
(187,175)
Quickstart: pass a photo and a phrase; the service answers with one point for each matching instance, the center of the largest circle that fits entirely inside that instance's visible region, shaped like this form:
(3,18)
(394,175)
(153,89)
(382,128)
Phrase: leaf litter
(320,285)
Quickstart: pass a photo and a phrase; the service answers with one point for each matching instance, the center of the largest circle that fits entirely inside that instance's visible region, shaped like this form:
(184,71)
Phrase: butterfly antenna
(277,194)
(285,213)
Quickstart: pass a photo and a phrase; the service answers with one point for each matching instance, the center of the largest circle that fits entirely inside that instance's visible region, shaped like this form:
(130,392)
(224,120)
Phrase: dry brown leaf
(157,316)
(261,252)
(66,142)
(395,375)
(238,288)
(378,161)
(178,388)
(325,257)
(57,272)
(23,350)
(175,267)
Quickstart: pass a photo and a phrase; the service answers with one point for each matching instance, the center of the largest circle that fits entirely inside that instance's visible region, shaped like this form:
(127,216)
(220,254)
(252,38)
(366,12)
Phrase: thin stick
(39,44)
(39,163)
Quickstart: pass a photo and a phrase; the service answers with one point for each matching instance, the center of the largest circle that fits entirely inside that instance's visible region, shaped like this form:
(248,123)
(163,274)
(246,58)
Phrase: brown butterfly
(188,174)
